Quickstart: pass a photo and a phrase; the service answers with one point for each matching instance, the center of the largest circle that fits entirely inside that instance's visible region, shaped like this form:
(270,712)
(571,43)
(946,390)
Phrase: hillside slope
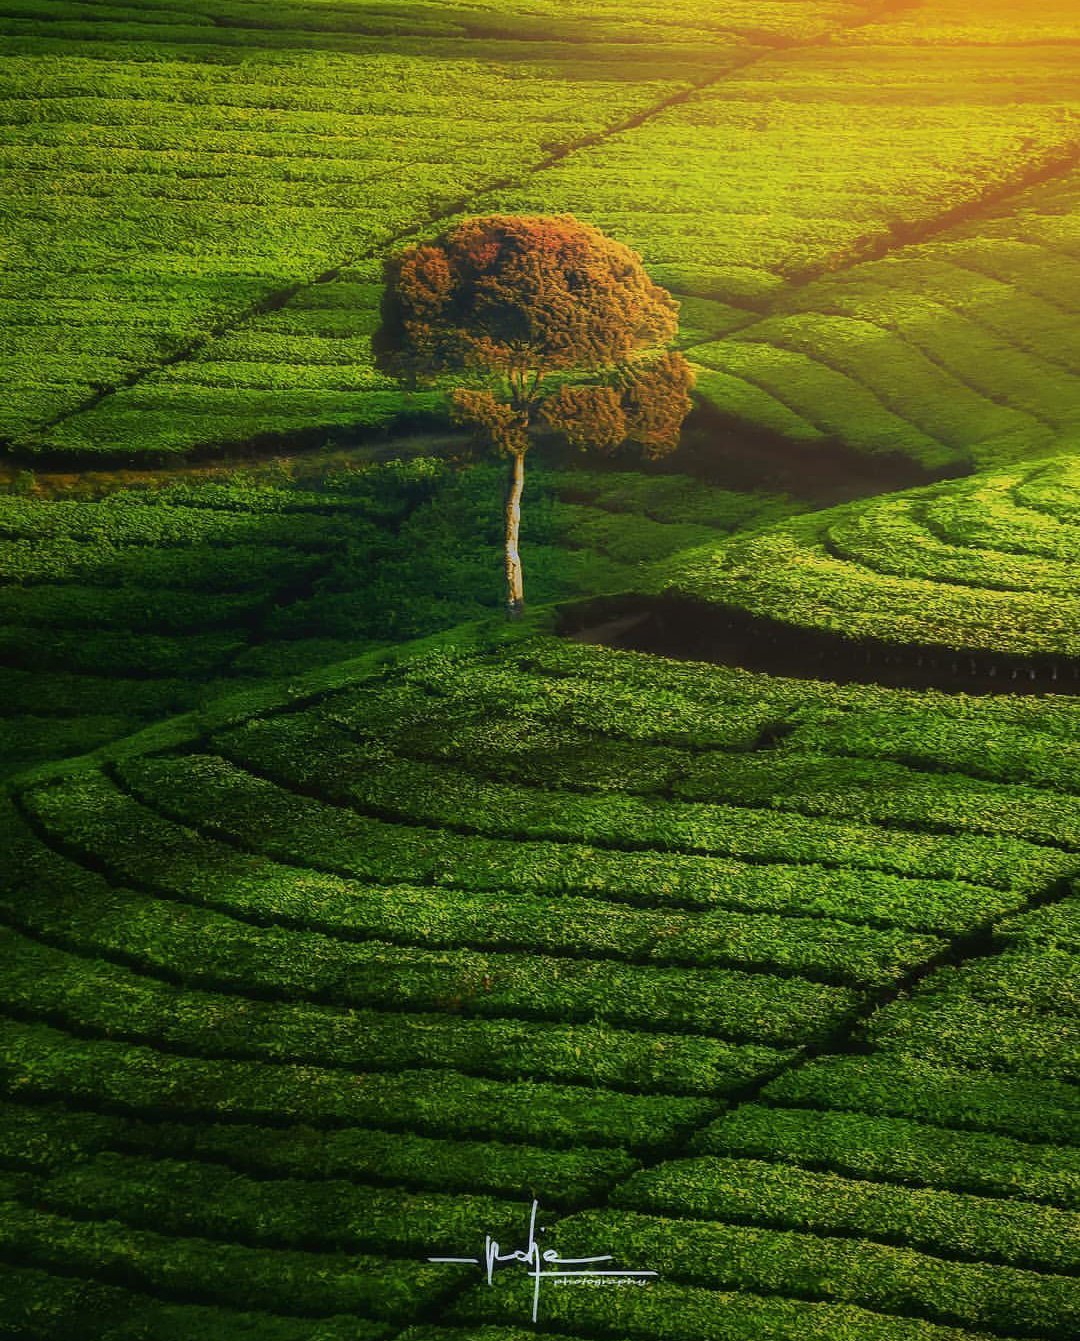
(969,572)
(868,209)
(764,985)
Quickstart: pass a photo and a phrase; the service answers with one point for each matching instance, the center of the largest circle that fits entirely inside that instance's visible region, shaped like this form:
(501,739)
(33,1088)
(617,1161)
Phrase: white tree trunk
(515,589)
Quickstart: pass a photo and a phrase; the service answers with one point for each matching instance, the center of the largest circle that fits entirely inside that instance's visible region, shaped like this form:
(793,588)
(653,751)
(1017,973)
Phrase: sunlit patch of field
(868,212)
(986,564)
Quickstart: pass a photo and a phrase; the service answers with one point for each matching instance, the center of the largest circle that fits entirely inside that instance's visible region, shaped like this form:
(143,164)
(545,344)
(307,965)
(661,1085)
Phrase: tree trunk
(515,590)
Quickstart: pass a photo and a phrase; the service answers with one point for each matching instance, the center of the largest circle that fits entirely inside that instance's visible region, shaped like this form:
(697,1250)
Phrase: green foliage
(109,1001)
(892,1150)
(44,1137)
(239,1276)
(779,1196)
(366,971)
(962,567)
(726,1257)
(902,1086)
(167,195)
(44,1304)
(353,967)
(43,1062)
(148,601)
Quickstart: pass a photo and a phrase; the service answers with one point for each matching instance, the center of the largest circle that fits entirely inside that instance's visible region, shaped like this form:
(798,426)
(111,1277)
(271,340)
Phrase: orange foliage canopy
(522,297)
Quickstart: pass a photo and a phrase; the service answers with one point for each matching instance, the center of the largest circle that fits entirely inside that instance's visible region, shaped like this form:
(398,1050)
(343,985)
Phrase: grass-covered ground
(767,986)
(868,208)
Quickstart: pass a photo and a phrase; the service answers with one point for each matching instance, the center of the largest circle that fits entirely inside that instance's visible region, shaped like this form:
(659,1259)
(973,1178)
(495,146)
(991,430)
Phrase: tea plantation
(988,564)
(744,987)
(725,911)
(121,609)
(868,208)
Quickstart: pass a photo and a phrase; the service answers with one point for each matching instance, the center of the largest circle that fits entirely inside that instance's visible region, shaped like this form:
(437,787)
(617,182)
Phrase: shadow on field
(727,636)
(730,452)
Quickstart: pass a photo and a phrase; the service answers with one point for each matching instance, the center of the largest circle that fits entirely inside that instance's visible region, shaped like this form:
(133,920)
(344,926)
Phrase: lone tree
(562,328)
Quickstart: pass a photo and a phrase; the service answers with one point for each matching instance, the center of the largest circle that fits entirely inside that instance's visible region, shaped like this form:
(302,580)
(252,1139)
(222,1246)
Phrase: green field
(728,906)
(868,210)
(326,980)
(119,610)
(986,564)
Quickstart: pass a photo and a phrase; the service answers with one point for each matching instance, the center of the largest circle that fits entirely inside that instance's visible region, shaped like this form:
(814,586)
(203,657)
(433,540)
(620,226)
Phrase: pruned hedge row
(128,609)
(529,737)
(40,1305)
(48,1136)
(108,1001)
(890,536)
(897,1085)
(985,575)
(779,1196)
(1056,924)
(264,935)
(38,1060)
(676,1312)
(111,566)
(1003,1299)
(954,1030)
(1052,490)
(447,799)
(189,1198)
(73,696)
(191,1268)
(992,513)
(111,830)
(754,1006)
(1022,747)
(667,499)
(476,692)
(880,792)
(118,652)
(1036,979)
(135,518)
(897,1149)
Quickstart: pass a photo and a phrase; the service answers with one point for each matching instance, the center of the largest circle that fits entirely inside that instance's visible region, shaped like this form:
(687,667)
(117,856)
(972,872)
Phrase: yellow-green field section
(869,211)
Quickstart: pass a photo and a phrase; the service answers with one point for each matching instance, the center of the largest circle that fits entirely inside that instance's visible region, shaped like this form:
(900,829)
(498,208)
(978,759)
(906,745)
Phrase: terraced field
(986,567)
(725,913)
(869,210)
(337,978)
(119,610)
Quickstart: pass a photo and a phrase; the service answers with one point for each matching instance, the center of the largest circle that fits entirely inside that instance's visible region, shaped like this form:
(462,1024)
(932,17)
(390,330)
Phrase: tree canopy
(560,324)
